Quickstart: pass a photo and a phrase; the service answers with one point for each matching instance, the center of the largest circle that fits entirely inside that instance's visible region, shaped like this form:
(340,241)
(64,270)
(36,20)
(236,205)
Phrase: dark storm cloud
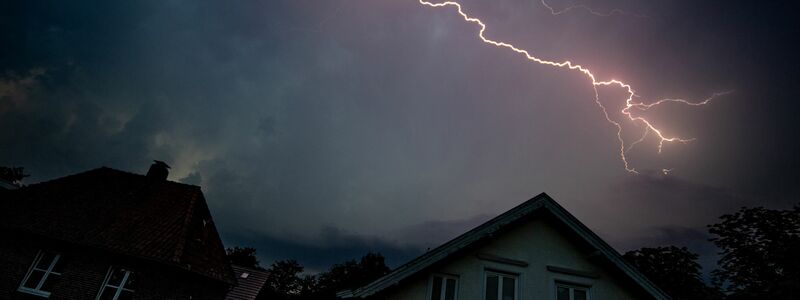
(335,247)
(330,128)
(655,210)
(656,201)
(431,234)
(331,244)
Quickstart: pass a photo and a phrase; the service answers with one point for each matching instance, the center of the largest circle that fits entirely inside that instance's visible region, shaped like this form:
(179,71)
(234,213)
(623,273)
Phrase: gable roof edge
(604,248)
(429,258)
(490,227)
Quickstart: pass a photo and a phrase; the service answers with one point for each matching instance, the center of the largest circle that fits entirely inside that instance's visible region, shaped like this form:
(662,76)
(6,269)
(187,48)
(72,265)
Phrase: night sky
(320,130)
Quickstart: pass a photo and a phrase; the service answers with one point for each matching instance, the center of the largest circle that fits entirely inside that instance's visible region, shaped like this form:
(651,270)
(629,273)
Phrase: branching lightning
(585,7)
(648,127)
(643,106)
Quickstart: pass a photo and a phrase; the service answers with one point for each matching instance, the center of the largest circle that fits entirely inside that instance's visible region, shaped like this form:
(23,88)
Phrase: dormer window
(41,275)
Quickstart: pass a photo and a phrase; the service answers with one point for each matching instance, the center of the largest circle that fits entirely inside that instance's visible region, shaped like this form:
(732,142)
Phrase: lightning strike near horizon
(585,7)
(629,102)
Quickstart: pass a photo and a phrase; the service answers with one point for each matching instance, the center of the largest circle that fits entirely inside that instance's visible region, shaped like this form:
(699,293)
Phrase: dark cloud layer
(334,247)
(322,129)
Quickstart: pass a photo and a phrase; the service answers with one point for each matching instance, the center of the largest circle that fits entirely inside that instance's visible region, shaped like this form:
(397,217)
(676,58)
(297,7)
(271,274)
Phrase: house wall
(84,271)
(538,242)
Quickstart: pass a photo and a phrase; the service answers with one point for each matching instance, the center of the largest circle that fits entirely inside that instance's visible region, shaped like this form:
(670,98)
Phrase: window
(444,287)
(118,285)
(501,286)
(41,275)
(571,292)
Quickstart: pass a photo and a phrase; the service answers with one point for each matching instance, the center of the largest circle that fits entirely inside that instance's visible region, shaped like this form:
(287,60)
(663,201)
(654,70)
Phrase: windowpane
(492,286)
(436,290)
(59,266)
(48,282)
(116,277)
(33,279)
(130,283)
(509,285)
(562,293)
(108,293)
(118,280)
(46,259)
(450,289)
(125,295)
(579,295)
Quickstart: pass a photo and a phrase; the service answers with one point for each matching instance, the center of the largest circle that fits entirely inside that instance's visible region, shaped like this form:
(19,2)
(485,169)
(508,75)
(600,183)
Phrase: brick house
(109,234)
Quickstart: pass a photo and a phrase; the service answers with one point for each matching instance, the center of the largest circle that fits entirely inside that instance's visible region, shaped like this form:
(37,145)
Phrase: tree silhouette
(759,253)
(284,281)
(243,256)
(675,270)
(14,175)
(351,274)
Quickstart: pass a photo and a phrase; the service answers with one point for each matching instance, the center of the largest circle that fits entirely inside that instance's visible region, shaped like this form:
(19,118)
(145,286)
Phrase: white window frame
(572,287)
(444,285)
(119,288)
(38,290)
(500,275)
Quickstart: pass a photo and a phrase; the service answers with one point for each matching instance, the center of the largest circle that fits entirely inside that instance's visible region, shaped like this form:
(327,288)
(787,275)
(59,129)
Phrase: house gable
(538,240)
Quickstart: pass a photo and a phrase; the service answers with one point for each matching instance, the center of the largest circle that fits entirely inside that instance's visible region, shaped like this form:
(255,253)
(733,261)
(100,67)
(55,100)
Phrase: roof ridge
(609,251)
(58,179)
(459,239)
(487,229)
(106,168)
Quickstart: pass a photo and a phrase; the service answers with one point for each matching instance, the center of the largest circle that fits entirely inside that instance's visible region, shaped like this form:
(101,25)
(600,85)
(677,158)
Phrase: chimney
(159,170)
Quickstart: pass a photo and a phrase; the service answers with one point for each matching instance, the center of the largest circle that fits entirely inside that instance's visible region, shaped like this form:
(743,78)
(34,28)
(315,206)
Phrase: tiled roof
(249,283)
(124,213)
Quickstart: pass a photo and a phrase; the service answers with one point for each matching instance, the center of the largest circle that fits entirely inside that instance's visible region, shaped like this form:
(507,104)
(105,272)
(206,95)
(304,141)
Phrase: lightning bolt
(585,7)
(643,106)
(629,102)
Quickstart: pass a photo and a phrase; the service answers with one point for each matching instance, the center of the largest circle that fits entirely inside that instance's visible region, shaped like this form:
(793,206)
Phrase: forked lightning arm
(629,102)
(585,7)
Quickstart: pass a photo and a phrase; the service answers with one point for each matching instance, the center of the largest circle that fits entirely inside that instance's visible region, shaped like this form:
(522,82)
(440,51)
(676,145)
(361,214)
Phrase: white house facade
(536,250)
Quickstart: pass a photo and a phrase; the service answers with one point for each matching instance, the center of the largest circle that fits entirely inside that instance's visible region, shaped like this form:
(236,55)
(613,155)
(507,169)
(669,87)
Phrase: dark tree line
(759,249)
(675,270)
(759,260)
(244,256)
(286,279)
